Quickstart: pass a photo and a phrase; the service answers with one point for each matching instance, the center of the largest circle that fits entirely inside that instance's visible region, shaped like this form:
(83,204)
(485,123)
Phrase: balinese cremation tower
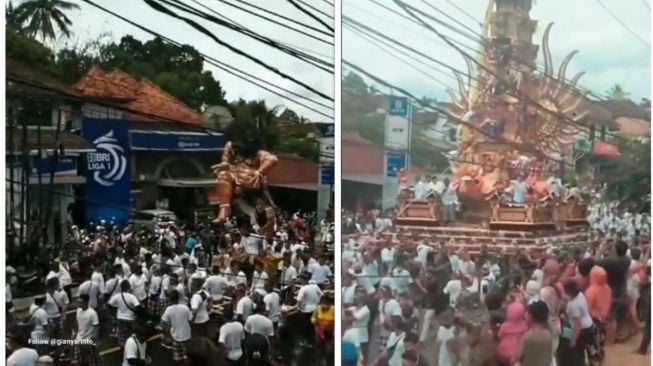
(530,118)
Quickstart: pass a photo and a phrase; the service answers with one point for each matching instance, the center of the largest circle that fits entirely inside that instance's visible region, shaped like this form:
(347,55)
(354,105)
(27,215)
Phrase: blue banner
(327,174)
(398,106)
(326,129)
(48,165)
(143,140)
(394,164)
(107,170)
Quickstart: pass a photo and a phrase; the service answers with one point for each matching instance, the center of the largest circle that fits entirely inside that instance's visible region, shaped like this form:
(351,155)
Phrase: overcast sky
(90,22)
(607,51)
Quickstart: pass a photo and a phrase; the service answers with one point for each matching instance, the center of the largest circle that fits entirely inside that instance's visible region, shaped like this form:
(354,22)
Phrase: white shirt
(155,286)
(8,296)
(134,349)
(467,268)
(288,274)
(402,280)
(258,280)
(422,253)
(351,336)
(371,271)
(321,273)
(23,357)
(388,255)
(453,289)
(178,316)
(138,286)
(98,279)
(259,324)
(244,307)
(272,306)
(444,336)
(40,319)
(362,317)
(65,278)
(53,274)
(199,306)
(308,298)
(388,309)
(231,337)
(349,294)
(124,313)
(396,340)
(86,320)
(113,285)
(55,301)
(577,308)
(252,245)
(215,285)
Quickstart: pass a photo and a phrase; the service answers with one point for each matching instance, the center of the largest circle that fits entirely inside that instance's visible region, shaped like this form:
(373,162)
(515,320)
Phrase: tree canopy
(628,178)
(617,92)
(42,18)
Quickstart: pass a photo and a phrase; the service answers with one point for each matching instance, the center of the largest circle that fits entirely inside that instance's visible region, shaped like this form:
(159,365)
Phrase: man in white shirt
(258,323)
(154,291)
(56,303)
(90,288)
(253,244)
(200,304)
(126,303)
(231,338)
(38,317)
(288,273)
(244,306)
(216,284)
(259,279)
(88,328)
(138,283)
(321,272)
(402,279)
(308,299)
(135,350)
(176,319)
(421,189)
(21,355)
(272,303)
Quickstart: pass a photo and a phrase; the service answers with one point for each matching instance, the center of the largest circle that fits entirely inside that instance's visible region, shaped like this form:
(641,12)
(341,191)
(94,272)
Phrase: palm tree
(617,92)
(40,17)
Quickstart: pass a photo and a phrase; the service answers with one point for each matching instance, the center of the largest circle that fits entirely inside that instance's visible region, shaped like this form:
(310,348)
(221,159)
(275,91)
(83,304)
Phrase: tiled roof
(138,95)
(293,169)
(633,127)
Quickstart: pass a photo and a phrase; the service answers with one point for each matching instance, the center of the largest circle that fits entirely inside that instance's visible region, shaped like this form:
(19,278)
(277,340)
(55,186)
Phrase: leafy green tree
(354,83)
(617,92)
(290,116)
(628,178)
(43,17)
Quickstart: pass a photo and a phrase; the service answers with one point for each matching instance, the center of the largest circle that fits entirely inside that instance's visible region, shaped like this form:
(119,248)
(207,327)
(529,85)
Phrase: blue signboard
(107,170)
(327,174)
(326,129)
(394,164)
(48,165)
(398,106)
(144,140)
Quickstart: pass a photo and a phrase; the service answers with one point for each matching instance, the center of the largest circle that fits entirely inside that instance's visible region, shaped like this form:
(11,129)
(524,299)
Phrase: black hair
(410,356)
(539,312)
(621,248)
(84,297)
(125,285)
(173,295)
(636,254)
(571,288)
(412,338)
(585,266)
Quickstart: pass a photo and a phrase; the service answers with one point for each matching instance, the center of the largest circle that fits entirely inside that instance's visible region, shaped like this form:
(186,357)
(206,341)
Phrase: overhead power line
(313,16)
(623,24)
(224,66)
(450,2)
(525,98)
(281,16)
(312,60)
(156,6)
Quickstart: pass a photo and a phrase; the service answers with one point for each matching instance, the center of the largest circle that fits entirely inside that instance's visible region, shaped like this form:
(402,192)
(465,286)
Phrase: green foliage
(628,178)
(258,113)
(307,148)
(354,83)
(617,92)
(28,51)
(42,18)
(290,116)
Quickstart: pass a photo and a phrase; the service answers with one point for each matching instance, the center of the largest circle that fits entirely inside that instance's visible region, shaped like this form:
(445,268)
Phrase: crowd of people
(216,294)
(415,304)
